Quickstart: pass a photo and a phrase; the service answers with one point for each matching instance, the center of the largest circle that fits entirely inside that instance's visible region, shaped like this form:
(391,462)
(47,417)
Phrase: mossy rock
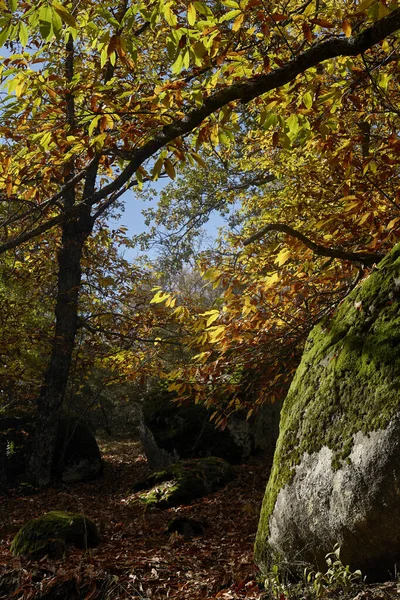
(170,431)
(52,532)
(76,458)
(184,481)
(186,527)
(337,459)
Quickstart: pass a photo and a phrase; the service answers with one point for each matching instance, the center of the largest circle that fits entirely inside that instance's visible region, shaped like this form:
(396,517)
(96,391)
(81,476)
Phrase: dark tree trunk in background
(74,236)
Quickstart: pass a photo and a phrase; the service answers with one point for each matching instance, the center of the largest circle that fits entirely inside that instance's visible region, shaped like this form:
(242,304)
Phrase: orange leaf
(265,29)
(322,23)
(278,17)
(307,32)
(112,45)
(346,28)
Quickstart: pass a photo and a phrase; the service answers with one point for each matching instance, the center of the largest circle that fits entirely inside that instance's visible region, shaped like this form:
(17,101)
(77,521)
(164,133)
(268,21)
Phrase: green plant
(338,577)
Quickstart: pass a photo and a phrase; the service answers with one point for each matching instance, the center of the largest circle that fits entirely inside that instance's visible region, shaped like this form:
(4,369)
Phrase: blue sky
(132,217)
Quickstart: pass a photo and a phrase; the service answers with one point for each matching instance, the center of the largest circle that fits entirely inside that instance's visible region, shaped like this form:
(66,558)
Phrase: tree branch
(254,87)
(244,92)
(365,258)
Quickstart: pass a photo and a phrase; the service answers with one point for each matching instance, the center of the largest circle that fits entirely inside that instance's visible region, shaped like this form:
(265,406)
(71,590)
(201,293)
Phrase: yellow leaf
(364,218)
(64,14)
(212,318)
(216,333)
(383,10)
(157,168)
(365,4)
(282,257)
(392,223)
(238,22)
(191,15)
(271,280)
(159,297)
(351,206)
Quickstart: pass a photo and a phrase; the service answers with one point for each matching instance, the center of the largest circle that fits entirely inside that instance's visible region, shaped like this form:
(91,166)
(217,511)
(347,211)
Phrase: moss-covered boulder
(76,458)
(336,471)
(51,533)
(184,481)
(170,431)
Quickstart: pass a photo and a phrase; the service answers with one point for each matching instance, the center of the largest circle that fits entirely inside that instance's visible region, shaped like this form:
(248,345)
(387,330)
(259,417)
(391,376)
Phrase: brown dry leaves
(136,559)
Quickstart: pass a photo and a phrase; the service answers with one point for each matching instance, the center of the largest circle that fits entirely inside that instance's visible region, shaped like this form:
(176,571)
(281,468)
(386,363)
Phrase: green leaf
(23,34)
(13,5)
(56,23)
(202,8)
(93,124)
(293,123)
(4,35)
(178,64)
(230,15)
(169,14)
(231,3)
(307,100)
(46,29)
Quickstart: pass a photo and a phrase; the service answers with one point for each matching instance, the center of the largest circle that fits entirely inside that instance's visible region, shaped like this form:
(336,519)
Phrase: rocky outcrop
(170,432)
(51,533)
(184,481)
(336,472)
(76,458)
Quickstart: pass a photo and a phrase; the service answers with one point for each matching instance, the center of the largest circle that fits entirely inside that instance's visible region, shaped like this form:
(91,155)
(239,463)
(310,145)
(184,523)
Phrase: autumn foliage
(299,100)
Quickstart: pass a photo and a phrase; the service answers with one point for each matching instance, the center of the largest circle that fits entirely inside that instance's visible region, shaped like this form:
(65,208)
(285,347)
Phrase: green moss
(184,481)
(54,529)
(347,381)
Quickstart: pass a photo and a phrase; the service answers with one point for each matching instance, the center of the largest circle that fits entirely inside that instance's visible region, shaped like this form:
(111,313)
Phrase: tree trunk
(49,403)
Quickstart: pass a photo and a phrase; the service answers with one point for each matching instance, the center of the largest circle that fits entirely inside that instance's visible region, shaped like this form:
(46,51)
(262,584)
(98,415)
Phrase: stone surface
(51,533)
(170,432)
(184,481)
(77,455)
(336,472)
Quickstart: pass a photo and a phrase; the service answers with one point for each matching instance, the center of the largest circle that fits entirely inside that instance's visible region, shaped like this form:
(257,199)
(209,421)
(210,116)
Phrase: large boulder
(76,458)
(184,481)
(52,532)
(336,471)
(170,431)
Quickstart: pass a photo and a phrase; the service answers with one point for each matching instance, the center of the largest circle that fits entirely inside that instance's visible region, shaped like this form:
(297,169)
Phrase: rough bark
(74,236)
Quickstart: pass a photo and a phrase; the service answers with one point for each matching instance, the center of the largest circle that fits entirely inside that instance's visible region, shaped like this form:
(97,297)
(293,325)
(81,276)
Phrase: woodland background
(282,116)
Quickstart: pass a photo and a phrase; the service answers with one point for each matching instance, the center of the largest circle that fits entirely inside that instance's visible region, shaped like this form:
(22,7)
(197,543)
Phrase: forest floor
(136,558)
